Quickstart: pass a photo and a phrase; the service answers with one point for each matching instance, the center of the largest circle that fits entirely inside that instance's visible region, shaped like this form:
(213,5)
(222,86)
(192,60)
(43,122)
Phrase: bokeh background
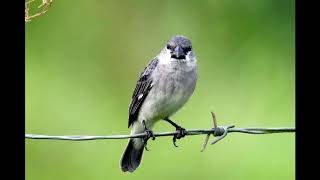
(83,59)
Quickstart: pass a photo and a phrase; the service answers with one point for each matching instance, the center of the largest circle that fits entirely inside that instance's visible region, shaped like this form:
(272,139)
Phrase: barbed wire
(161,134)
(217,131)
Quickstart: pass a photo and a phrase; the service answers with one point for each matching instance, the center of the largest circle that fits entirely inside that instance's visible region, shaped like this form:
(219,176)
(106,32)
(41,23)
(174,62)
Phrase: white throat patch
(165,58)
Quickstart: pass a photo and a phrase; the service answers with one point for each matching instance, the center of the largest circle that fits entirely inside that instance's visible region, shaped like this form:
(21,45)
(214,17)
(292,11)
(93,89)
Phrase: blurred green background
(83,59)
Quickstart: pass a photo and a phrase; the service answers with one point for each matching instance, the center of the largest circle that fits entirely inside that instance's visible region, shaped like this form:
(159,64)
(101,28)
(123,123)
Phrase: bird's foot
(149,134)
(181,132)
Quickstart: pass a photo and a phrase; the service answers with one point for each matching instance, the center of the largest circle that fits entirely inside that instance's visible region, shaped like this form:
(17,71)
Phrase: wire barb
(223,132)
(219,132)
(214,123)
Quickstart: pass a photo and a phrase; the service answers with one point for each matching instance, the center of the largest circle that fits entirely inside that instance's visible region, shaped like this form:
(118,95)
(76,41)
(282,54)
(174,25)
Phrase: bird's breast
(172,87)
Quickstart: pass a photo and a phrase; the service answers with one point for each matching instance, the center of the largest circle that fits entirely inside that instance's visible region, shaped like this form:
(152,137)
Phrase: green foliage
(82,62)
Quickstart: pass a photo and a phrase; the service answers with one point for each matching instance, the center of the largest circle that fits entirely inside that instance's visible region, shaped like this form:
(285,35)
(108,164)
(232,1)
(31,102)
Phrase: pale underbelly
(164,100)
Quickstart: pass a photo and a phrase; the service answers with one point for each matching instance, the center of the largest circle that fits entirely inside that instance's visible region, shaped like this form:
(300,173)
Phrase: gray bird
(163,88)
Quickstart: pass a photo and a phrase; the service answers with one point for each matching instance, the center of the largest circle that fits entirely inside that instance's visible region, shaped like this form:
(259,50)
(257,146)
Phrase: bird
(164,86)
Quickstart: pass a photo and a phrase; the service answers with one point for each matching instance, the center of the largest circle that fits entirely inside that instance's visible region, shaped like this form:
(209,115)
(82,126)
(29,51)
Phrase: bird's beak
(178,53)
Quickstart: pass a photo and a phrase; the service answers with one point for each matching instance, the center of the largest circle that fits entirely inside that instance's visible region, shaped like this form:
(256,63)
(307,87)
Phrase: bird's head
(178,48)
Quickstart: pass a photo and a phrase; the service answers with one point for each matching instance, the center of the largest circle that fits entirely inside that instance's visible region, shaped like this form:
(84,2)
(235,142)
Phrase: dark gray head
(179,46)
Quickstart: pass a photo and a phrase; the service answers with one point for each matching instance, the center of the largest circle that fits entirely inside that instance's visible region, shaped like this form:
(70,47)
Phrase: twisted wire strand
(221,129)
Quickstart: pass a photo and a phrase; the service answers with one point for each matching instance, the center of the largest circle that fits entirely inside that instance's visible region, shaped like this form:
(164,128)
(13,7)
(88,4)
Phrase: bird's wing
(143,87)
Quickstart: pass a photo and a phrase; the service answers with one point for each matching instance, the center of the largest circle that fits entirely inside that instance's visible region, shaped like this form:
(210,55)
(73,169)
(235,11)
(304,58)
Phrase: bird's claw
(181,132)
(149,134)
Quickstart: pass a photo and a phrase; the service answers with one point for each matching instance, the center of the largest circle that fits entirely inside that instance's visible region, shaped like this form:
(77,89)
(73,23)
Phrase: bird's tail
(131,156)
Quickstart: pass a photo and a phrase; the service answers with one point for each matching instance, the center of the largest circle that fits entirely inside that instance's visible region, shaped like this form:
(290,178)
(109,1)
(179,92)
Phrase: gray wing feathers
(141,91)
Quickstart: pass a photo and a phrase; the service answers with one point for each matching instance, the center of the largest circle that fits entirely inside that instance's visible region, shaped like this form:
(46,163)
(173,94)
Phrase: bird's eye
(187,49)
(169,47)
